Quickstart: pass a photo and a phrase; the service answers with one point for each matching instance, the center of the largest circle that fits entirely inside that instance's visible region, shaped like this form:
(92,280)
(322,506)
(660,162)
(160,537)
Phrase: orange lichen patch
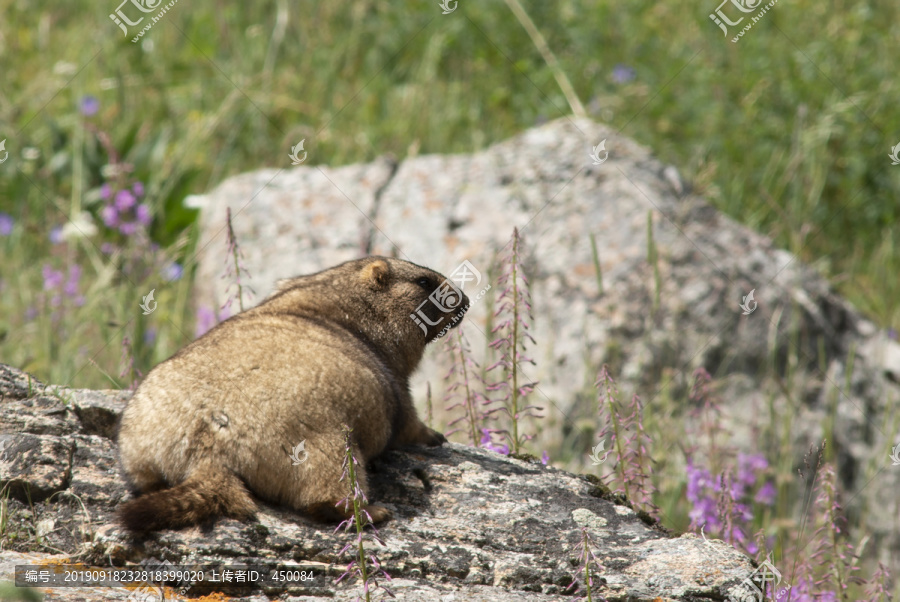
(50,561)
(434,205)
(452,241)
(213,597)
(58,566)
(584,269)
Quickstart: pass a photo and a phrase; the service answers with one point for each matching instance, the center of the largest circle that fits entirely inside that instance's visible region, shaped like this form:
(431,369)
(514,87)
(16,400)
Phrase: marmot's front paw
(434,438)
(378,513)
(418,434)
(333,512)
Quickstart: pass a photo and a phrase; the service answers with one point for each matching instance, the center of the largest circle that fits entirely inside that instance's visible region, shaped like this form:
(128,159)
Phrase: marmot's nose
(464,302)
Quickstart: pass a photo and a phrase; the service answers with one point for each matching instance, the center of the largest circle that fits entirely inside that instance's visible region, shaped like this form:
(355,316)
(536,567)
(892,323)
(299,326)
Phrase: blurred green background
(788,130)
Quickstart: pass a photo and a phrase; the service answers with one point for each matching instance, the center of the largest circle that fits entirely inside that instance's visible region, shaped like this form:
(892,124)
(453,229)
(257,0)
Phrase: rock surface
(653,322)
(469,524)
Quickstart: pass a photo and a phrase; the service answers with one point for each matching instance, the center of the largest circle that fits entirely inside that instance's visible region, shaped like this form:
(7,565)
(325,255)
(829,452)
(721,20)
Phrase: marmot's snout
(442,309)
(463,308)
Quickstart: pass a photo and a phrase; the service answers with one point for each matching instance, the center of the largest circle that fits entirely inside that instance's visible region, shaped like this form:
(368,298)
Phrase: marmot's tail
(205,494)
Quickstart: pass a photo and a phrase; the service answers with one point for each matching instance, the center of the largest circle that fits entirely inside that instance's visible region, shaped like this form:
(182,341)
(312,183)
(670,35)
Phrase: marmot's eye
(424,282)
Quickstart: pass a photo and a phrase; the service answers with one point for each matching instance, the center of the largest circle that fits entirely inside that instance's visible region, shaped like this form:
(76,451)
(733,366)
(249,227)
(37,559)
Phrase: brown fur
(324,350)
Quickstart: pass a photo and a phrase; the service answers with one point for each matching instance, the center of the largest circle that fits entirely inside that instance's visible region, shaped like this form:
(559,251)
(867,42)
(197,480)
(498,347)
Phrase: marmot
(213,423)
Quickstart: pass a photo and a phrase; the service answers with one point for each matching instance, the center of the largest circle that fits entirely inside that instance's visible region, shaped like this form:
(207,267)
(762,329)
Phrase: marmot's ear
(376,274)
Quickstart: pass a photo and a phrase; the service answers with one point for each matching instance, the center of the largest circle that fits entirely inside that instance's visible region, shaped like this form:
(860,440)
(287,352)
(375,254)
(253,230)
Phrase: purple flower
(105,192)
(545,458)
(30,314)
(206,319)
(737,489)
(892,334)
(514,313)
(698,479)
(766,494)
(124,200)
(138,189)
(150,336)
(71,287)
(55,281)
(52,278)
(128,228)
(622,74)
(749,467)
(108,248)
(487,443)
(143,214)
(6,224)
(800,591)
(110,216)
(56,235)
(705,512)
(743,511)
(89,105)
(173,272)
(700,485)
(234,269)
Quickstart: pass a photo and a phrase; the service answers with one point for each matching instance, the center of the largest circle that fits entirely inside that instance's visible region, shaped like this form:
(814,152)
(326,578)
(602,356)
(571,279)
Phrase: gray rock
(468,524)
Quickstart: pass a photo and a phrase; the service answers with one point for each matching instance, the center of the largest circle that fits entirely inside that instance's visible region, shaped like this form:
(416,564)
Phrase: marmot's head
(430,302)
(399,306)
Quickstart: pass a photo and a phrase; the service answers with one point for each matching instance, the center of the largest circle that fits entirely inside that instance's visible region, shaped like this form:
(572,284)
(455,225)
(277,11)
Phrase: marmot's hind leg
(317,487)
